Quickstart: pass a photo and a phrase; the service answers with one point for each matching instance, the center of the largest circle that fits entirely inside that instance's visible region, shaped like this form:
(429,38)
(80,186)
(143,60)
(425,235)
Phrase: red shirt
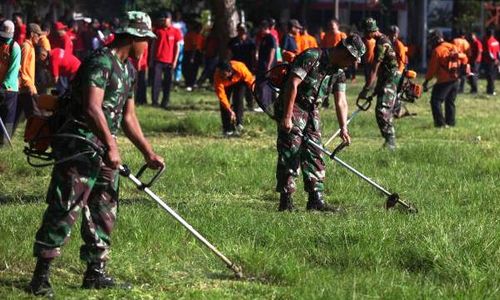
(166,44)
(142,63)
(492,48)
(63,63)
(63,42)
(20,34)
(476,50)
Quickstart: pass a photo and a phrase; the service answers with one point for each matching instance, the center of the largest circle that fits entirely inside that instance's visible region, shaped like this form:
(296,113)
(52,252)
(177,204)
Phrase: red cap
(60,26)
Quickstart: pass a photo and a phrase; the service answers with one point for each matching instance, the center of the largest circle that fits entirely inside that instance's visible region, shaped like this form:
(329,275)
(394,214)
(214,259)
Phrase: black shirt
(243,50)
(267,44)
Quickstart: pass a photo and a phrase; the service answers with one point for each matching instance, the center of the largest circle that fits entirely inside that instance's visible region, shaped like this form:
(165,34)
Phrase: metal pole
(237,270)
(424,34)
(338,130)
(336,7)
(4,129)
(482,19)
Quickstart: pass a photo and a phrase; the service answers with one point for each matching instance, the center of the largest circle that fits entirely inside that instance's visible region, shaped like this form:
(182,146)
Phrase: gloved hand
(424,85)
(364,93)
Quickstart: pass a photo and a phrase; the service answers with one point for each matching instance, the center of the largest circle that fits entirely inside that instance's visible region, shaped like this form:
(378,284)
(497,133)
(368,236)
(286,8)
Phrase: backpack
(5,59)
(267,89)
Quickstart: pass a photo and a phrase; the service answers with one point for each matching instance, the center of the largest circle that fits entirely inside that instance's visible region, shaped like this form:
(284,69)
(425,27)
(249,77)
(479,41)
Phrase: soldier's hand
(286,124)
(364,93)
(112,158)
(154,161)
(344,135)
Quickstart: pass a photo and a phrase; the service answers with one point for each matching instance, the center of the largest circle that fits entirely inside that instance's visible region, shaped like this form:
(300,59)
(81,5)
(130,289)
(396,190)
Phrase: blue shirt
(289,43)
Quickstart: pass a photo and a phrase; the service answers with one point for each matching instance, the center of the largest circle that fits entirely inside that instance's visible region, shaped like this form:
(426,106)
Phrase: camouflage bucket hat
(136,23)
(370,25)
(355,45)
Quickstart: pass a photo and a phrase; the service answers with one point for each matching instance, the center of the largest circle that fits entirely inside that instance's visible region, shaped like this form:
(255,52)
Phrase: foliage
(224,188)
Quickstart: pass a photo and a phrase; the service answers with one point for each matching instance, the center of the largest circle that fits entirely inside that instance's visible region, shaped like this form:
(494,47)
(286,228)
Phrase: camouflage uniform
(319,78)
(386,88)
(85,185)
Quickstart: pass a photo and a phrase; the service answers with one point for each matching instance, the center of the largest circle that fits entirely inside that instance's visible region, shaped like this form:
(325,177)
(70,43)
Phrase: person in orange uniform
(444,62)
(229,80)
(307,40)
(333,36)
(463,46)
(367,59)
(402,59)
(193,45)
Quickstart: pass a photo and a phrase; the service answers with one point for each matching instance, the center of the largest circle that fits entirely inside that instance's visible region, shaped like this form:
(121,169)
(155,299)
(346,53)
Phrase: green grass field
(225,189)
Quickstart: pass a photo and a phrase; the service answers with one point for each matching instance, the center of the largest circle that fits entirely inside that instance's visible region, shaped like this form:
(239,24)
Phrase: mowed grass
(225,189)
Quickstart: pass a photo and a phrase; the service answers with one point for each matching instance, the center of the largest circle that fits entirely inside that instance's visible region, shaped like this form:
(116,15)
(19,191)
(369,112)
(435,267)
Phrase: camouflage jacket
(386,55)
(102,69)
(319,77)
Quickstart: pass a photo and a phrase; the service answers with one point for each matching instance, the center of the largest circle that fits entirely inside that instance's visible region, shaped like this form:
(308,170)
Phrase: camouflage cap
(355,45)
(370,25)
(136,23)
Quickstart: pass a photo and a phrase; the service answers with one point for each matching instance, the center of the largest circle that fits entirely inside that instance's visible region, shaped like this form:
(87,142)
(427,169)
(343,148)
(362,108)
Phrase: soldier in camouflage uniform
(385,72)
(312,76)
(101,102)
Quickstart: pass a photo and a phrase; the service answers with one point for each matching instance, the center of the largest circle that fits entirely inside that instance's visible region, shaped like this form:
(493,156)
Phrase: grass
(225,189)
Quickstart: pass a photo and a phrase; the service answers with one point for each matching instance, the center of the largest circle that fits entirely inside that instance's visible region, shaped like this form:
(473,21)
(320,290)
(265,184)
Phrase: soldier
(313,75)
(384,71)
(101,101)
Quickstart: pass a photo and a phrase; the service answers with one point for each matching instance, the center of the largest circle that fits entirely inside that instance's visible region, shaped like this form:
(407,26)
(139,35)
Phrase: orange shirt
(438,65)
(193,41)
(401,54)
(44,43)
(300,43)
(331,39)
(240,73)
(370,50)
(27,71)
(308,41)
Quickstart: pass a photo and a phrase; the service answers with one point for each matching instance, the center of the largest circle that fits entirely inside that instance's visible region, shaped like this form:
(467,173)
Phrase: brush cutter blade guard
(394,199)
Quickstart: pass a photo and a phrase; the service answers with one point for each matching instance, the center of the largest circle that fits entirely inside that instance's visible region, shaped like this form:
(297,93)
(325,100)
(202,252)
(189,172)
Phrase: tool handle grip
(153,179)
(339,148)
(364,104)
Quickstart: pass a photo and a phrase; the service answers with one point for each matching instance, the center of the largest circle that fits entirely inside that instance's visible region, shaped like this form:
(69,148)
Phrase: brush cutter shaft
(4,129)
(183,222)
(338,130)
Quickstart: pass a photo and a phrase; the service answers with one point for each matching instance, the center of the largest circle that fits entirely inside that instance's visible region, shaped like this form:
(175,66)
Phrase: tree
(225,20)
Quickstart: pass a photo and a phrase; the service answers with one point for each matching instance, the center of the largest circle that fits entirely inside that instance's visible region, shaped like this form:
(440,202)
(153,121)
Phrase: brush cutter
(392,198)
(4,129)
(125,171)
(362,106)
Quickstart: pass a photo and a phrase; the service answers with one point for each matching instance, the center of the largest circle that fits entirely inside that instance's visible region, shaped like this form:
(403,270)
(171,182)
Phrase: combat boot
(390,143)
(96,278)
(316,202)
(286,202)
(40,285)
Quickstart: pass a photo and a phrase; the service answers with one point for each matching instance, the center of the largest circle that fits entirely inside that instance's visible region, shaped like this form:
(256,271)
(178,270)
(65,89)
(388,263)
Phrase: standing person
(20,28)
(60,38)
(27,87)
(475,55)
(193,45)
(242,49)
(267,47)
(10,62)
(384,72)
(180,25)
(62,66)
(491,57)
(210,56)
(313,75)
(463,46)
(101,102)
(289,46)
(141,65)
(402,59)
(44,40)
(333,36)
(444,64)
(165,54)
(367,59)
(308,41)
(229,83)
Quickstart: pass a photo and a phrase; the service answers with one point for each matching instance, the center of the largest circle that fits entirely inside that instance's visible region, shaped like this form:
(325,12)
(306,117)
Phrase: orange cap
(410,74)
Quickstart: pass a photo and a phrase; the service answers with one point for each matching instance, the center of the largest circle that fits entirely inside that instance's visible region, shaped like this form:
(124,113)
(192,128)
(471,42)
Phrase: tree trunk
(225,21)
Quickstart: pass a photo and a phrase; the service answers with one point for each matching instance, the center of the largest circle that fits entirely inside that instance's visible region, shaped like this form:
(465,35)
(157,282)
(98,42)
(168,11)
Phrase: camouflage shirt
(319,77)
(102,69)
(386,55)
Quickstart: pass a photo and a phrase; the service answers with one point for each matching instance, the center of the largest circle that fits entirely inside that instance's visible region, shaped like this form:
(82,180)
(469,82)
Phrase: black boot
(96,278)
(286,202)
(316,202)
(40,285)
(390,143)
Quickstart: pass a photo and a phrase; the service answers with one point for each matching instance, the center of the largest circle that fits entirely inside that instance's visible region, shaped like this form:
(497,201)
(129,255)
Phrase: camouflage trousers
(384,110)
(295,152)
(81,186)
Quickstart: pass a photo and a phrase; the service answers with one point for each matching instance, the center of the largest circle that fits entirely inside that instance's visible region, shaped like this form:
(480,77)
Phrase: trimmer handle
(125,171)
(364,104)
(339,148)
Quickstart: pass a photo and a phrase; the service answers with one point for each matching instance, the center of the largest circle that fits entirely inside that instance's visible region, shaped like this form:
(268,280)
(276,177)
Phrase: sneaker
(239,128)
(258,109)
(228,134)
(189,89)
